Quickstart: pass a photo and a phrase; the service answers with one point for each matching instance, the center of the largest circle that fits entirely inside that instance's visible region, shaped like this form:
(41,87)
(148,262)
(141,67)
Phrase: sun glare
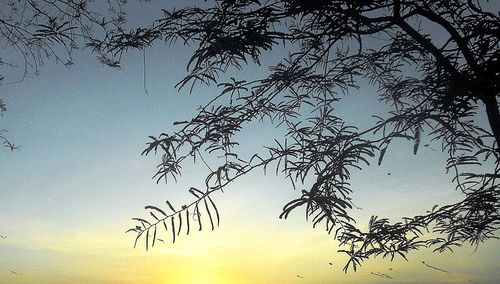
(194,274)
(200,278)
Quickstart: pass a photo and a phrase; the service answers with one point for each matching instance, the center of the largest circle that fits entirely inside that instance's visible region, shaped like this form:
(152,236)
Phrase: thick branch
(425,43)
(460,41)
(493,116)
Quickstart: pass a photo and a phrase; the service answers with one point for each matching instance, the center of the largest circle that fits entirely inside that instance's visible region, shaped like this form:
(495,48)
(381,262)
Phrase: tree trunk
(493,116)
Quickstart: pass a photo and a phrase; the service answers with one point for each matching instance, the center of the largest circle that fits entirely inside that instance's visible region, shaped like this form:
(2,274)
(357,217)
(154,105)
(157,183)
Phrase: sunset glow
(68,194)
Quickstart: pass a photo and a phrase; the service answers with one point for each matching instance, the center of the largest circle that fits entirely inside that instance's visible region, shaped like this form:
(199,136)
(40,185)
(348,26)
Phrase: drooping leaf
(157,209)
(172,223)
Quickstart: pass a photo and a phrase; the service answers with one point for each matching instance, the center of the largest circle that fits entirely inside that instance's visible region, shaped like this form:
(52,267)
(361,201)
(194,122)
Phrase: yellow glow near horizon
(249,248)
(202,277)
(230,255)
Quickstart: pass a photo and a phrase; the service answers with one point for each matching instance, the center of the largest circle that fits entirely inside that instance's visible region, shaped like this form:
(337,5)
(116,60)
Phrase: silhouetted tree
(33,31)
(435,64)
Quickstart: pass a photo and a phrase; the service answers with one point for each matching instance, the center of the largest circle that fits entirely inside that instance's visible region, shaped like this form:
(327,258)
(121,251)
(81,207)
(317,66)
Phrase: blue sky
(68,194)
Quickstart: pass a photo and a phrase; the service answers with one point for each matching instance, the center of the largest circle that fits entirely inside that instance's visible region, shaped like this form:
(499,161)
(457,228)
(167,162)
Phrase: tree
(432,87)
(34,31)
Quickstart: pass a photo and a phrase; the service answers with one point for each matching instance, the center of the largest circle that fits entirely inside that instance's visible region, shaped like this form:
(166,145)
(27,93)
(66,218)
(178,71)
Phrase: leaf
(154,238)
(417,140)
(154,216)
(292,205)
(165,225)
(173,228)
(137,238)
(197,190)
(198,215)
(187,221)
(170,206)
(156,208)
(141,220)
(191,190)
(209,214)
(216,210)
(382,153)
(180,223)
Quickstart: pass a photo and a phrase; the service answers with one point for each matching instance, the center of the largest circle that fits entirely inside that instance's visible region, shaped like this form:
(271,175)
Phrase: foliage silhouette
(34,31)
(435,86)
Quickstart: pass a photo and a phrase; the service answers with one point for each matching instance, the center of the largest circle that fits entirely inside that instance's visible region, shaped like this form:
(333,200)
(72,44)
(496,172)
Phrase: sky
(69,193)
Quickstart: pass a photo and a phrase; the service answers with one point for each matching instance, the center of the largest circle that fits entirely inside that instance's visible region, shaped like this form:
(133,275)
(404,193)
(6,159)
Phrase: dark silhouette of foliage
(34,31)
(435,87)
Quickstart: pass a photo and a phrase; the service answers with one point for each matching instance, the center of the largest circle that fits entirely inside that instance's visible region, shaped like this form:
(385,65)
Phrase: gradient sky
(68,194)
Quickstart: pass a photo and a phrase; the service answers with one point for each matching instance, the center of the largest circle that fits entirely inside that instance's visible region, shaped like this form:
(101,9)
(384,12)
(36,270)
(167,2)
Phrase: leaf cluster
(37,30)
(434,91)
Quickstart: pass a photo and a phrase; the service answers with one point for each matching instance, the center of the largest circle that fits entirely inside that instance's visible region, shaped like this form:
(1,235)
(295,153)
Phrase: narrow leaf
(198,215)
(173,229)
(216,210)
(136,239)
(209,214)
(170,206)
(165,225)
(154,216)
(381,157)
(417,140)
(141,220)
(156,208)
(187,221)
(154,238)
(180,223)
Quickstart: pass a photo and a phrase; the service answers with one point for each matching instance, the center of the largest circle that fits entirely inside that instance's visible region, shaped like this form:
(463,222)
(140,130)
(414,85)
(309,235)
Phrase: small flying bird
(435,268)
(388,174)
(300,276)
(330,263)
(393,270)
(3,237)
